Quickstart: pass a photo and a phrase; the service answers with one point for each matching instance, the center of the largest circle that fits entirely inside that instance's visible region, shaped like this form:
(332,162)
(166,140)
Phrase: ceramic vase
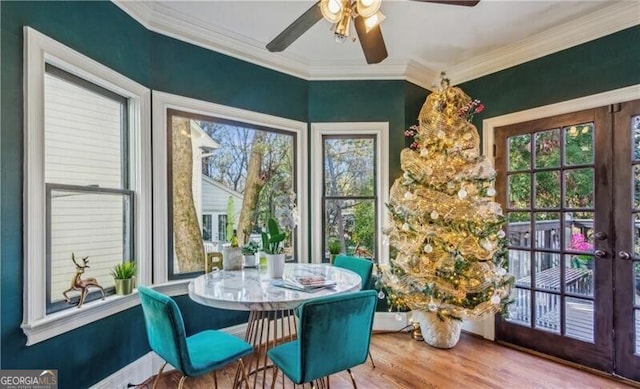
(231,258)
(249,260)
(275,265)
(437,332)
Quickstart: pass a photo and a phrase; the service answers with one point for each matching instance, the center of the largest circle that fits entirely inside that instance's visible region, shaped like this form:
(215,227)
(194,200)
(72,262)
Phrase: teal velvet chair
(333,335)
(194,355)
(363,267)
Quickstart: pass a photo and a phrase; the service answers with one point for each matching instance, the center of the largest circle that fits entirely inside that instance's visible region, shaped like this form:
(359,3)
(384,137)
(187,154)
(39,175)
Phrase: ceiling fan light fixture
(332,10)
(367,8)
(342,28)
(373,20)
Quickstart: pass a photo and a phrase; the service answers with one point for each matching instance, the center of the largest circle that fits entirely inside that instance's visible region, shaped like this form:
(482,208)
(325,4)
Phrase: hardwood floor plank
(403,363)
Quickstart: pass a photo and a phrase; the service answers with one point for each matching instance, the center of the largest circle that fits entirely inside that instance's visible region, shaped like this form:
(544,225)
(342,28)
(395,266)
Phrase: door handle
(600,235)
(600,253)
(624,255)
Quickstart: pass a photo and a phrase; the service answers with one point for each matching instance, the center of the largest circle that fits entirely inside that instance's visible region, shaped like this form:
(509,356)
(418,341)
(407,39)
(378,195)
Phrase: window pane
(519,190)
(547,312)
(579,188)
(579,319)
(547,189)
(238,174)
(84,143)
(94,225)
(578,143)
(547,230)
(519,229)
(548,149)
(520,309)
(519,152)
(353,224)
(349,167)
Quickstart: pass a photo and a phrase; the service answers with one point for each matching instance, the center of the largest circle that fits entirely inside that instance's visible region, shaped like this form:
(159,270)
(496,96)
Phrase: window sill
(70,319)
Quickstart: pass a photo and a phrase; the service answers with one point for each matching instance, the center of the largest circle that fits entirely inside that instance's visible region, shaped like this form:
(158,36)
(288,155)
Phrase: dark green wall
(604,64)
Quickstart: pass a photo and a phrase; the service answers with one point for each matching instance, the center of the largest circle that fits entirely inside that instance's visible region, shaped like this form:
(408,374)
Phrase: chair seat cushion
(210,349)
(287,358)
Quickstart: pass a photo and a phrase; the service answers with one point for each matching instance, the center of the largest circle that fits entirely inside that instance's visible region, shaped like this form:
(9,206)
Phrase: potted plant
(272,245)
(334,248)
(124,277)
(249,251)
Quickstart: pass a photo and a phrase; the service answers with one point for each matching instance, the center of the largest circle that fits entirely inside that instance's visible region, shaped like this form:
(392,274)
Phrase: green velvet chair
(192,356)
(333,335)
(364,268)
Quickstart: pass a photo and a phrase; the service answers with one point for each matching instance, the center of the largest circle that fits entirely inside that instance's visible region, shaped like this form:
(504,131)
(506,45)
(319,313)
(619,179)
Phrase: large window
(349,189)
(240,167)
(87,185)
(242,172)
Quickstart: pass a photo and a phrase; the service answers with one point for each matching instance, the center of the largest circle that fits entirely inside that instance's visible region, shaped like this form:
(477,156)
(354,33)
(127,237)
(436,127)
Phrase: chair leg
(275,375)
(155,382)
(215,380)
(244,372)
(184,377)
(353,379)
(371,359)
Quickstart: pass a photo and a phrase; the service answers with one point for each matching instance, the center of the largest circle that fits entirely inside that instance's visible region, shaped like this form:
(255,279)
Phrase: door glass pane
(579,231)
(548,149)
(547,230)
(578,274)
(636,186)
(579,188)
(519,152)
(519,266)
(519,229)
(637,330)
(548,271)
(636,278)
(519,190)
(578,143)
(548,312)
(547,189)
(579,319)
(636,236)
(520,309)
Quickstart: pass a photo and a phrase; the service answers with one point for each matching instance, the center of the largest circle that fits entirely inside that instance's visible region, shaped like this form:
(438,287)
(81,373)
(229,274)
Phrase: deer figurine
(78,284)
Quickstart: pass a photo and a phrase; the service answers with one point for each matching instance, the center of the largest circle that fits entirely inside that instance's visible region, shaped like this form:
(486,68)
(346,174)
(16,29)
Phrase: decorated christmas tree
(448,249)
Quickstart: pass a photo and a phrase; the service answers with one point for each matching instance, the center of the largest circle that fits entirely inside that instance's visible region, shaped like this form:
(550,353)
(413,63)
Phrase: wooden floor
(402,362)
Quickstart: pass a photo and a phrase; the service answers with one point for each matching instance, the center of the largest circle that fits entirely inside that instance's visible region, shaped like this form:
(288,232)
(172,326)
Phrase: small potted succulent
(124,277)
(249,251)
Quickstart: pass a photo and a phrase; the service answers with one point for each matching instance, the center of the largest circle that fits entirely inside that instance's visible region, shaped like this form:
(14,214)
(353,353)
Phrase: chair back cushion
(334,333)
(165,328)
(363,267)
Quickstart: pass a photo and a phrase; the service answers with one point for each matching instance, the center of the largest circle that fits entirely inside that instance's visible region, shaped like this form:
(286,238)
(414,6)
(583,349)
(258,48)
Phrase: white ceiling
(422,39)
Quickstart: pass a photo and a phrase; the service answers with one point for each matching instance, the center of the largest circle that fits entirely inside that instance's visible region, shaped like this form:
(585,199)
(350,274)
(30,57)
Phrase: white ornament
(501,234)
(428,171)
(406,176)
(381,295)
(440,134)
(434,215)
(501,271)
(408,195)
(432,306)
(462,194)
(467,136)
(487,244)
(424,152)
(428,248)
(406,227)
(450,185)
(491,192)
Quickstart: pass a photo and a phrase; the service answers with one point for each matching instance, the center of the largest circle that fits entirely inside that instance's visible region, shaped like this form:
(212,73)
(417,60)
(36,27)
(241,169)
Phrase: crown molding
(607,21)
(164,20)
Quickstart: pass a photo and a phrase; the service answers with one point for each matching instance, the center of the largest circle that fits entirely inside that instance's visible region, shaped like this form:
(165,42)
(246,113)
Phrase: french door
(570,187)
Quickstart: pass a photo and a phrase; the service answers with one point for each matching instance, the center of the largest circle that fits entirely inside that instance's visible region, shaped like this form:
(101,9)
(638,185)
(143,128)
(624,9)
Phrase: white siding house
(214,203)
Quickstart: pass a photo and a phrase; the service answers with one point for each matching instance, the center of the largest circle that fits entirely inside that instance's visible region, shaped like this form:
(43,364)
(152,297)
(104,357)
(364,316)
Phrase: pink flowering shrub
(580,243)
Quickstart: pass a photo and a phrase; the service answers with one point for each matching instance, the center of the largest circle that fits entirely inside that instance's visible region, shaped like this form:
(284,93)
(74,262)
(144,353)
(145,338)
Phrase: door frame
(486,328)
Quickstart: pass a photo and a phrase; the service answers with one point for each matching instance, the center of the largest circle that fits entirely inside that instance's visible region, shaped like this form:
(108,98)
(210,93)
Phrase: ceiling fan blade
(470,3)
(372,42)
(296,29)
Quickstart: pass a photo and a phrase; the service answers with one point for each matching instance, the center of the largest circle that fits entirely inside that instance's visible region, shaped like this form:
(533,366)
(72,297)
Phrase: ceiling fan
(366,19)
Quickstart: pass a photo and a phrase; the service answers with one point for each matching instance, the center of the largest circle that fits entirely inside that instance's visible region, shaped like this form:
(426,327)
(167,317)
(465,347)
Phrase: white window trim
(381,131)
(38,49)
(164,101)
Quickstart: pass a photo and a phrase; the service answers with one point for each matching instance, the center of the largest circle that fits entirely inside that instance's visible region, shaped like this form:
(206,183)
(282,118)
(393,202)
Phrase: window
(349,189)
(349,196)
(207,227)
(88,200)
(238,166)
(87,186)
